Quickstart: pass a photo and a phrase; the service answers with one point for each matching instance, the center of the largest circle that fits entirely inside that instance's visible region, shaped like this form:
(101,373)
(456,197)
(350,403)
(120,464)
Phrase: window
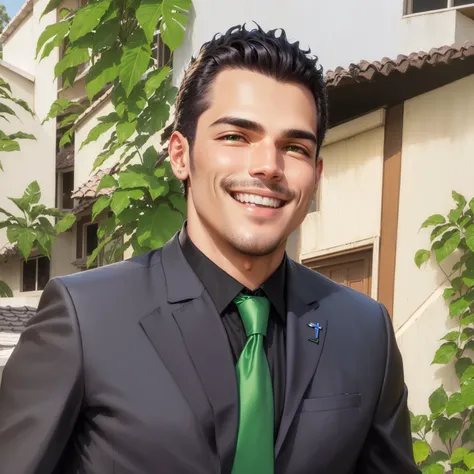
(65,187)
(161,52)
(90,239)
(35,274)
(420,6)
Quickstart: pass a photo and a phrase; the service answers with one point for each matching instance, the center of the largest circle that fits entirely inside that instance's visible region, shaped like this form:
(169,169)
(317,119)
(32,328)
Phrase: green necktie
(255,443)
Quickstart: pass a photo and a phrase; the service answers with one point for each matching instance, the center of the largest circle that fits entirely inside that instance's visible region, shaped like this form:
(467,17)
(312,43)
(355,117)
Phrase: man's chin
(255,245)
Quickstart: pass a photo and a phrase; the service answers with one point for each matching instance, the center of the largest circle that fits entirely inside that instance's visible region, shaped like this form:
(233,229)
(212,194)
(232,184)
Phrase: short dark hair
(269,53)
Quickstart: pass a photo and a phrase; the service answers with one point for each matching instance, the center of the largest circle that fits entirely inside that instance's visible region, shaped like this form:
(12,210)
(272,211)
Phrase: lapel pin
(317,327)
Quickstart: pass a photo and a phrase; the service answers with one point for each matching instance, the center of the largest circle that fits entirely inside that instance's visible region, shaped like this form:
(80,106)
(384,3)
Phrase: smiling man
(217,353)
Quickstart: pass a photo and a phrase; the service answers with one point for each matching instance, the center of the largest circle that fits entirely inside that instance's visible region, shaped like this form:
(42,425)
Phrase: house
(399,133)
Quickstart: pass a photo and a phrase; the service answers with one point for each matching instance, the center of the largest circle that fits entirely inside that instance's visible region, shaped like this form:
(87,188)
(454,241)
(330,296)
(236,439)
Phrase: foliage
(4,18)
(452,414)
(33,230)
(146,206)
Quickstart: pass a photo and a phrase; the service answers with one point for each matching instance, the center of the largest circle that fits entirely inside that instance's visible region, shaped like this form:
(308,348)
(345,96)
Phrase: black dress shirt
(222,289)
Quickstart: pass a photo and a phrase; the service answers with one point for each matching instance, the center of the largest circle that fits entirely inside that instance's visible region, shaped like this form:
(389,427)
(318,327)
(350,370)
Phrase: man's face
(252,170)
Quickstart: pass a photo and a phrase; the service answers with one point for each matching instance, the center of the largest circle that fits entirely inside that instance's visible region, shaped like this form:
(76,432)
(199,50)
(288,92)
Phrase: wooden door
(351,269)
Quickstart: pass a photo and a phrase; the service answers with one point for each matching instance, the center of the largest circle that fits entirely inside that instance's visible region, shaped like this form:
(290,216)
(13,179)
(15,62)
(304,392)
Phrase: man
(217,353)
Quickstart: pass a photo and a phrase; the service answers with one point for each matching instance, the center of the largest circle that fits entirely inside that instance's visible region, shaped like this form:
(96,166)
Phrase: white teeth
(260,200)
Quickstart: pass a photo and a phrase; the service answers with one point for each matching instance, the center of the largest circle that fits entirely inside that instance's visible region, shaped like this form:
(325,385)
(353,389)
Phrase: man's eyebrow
(256,127)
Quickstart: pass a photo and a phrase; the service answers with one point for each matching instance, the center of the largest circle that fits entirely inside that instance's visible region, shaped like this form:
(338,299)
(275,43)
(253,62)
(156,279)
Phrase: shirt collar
(223,288)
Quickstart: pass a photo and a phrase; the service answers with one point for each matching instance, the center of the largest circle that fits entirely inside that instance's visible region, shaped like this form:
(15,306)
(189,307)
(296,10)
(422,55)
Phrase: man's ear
(319,171)
(178,150)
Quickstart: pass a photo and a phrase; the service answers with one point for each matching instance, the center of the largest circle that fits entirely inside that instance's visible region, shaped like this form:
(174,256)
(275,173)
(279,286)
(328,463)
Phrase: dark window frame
(37,283)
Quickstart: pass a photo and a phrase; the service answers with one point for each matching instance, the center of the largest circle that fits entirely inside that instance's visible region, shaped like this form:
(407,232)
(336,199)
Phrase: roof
(16,21)
(366,86)
(65,158)
(8,250)
(14,319)
(89,188)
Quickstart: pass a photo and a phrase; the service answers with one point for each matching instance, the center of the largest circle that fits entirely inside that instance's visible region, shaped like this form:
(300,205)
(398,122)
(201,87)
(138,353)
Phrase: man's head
(251,116)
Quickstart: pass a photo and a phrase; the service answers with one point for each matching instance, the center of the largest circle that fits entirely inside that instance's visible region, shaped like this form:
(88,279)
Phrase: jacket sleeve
(388,447)
(42,389)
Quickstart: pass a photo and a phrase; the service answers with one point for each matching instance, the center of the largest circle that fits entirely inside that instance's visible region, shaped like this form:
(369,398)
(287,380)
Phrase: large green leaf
(471,205)
(132,179)
(4,109)
(437,456)
(107,181)
(21,136)
(57,31)
(460,200)
(9,145)
(439,230)
(466,334)
(432,469)
(52,5)
(174,21)
(455,404)
(157,187)
(458,306)
(451,336)
(65,223)
(135,59)
(467,392)
(438,401)
(461,365)
(458,455)
(448,428)
(121,199)
(25,239)
(421,450)
(469,460)
(4,85)
(418,423)
(106,35)
(105,70)
(447,244)
(87,18)
(156,226)
(97,131)
(148,14)
(125,130)
(460,470)
(155,79)
(468,374)
(5,291)
(454,215)
(59,106)
(435,219)
(32,194)
(445,353)
(469,236)
(179,203)
(74,56)
(102,203)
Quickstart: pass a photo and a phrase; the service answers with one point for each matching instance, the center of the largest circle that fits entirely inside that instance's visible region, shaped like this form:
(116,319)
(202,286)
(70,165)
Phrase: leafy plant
(33,230)
(452,414)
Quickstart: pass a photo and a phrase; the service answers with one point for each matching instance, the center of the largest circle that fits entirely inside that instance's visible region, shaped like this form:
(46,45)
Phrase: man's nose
(266,162)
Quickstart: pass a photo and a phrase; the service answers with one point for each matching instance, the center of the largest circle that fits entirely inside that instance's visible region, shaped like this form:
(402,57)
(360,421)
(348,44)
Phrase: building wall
(350,202)
(63,254)
(437,158)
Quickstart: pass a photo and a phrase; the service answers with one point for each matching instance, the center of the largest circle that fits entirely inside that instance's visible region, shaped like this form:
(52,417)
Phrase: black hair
(269,53)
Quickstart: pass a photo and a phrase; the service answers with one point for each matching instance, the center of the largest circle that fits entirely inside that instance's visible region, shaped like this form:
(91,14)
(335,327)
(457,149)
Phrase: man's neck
(249,270)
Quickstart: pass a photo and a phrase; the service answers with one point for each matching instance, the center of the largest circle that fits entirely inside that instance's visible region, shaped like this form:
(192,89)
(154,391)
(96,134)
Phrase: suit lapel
(302,355)
(191,341)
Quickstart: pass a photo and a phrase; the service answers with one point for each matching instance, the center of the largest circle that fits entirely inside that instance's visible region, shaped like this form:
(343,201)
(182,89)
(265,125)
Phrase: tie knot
(254,312)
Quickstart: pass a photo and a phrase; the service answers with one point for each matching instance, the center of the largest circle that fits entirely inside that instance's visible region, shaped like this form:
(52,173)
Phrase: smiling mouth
(257,201)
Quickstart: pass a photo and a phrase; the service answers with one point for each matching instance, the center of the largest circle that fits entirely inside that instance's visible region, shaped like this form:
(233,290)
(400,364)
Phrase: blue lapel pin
(317,327)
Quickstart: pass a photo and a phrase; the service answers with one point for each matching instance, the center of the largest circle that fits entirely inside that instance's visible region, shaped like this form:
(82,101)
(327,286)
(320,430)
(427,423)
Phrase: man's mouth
(258,201)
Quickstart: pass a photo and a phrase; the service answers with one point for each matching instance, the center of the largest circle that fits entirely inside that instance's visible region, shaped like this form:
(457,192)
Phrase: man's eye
(232,138)
(297,149)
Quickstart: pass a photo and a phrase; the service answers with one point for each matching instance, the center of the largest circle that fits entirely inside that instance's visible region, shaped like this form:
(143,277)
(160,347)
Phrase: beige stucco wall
(63,254)
(438,157)
(351,188)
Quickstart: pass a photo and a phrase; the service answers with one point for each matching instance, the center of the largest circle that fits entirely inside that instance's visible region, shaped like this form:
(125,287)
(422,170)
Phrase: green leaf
(466,334)
(107,181)
(156,226)
(105,70)
(107,227)
(467,392)
(52,5)
(125,130)
(421,450)
(148,14)
(21,203)
(454,215)
(460,200)
(66,138)
(469,346)
(447,244)
(458,455)
(445,353)
(121,199)
(451,336)
(106,35)
(69,120)
(5,291)
(9,145)
(461,365)
(437,231)
(449,293)
(91,259)
(469,235)
(449,428)
(36,211)
(57,31)
(97,131)
(458,306)
(32,194)
(468,434)
(421,257)
(174,21)
(21,136)
(155,79)
(157,187)
(58,107)
(25,239)
(438,401)
(4,109)
(457,283)
(469,460)
(459,470)
(432,469)
(418,423)
(132,179)
(437,456)
(4,85)
(74,56)
(150,157)
(135,59)
(65,223)
(471,205)
(102,203)
(87,18)
(435,219)
(468,374)
(455,404)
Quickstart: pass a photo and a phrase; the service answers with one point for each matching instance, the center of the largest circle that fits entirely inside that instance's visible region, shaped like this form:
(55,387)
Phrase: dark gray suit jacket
(127,369)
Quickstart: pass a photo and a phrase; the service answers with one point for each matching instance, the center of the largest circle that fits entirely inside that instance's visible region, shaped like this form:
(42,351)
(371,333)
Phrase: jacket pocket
(336,402)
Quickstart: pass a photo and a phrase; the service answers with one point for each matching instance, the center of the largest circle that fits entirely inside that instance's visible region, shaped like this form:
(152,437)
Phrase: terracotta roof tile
(14,319)
(366,71)
(8,250)
(88,189)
